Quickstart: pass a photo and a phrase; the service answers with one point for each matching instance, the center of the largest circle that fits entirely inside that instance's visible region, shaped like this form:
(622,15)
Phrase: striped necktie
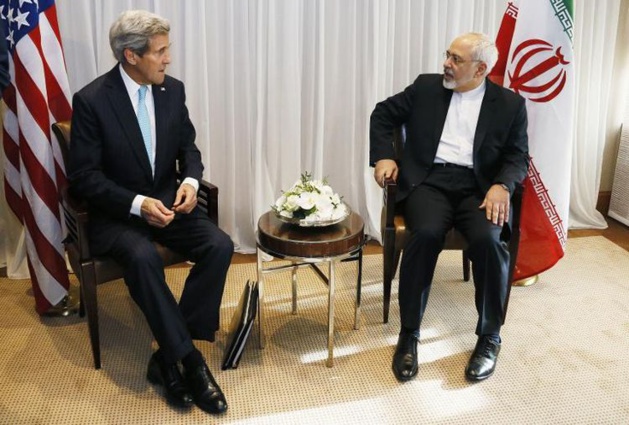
(145,123)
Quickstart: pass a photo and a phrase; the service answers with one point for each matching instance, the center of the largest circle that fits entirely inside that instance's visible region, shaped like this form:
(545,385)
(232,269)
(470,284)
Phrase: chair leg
(466,267)
(91,307)
(388,261)
(81,279)
(359,283)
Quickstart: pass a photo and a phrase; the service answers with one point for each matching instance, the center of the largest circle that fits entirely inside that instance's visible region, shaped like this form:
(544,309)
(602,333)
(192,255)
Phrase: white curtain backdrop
(279,87)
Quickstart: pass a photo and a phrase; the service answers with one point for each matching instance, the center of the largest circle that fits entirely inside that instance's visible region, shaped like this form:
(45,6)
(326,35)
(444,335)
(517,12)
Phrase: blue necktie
(145,123)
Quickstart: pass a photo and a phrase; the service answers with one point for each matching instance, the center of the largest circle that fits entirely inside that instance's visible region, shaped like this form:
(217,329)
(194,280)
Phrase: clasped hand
(157,214)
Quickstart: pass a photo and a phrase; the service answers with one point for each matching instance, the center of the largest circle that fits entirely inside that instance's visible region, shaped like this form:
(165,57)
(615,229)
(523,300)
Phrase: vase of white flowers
(309,203)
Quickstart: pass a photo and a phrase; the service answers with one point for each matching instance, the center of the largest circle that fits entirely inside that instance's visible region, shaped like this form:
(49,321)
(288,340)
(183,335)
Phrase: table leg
(359,282)
(294,278)
(330,361)
(260,299)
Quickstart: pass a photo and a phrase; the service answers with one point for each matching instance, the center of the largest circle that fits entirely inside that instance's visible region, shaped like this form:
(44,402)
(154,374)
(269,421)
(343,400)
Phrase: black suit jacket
(500,143)
(108,163)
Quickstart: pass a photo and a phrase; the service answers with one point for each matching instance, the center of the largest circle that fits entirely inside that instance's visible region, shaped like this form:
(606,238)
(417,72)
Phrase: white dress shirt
(133,90)
(457,139)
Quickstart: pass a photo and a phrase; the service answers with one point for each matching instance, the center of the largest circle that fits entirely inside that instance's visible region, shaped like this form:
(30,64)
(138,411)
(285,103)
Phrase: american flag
(39,95)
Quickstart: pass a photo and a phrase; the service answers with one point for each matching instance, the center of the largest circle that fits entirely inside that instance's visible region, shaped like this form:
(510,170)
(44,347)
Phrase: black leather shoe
(205,391)
(170,378)
(483,361)
(405,357)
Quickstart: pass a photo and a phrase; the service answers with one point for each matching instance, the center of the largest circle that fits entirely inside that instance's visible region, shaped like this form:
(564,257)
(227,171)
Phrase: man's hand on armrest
(496,204)
(384,169)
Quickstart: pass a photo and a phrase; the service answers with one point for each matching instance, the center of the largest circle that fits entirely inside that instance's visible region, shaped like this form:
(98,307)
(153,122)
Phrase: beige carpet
(564,359)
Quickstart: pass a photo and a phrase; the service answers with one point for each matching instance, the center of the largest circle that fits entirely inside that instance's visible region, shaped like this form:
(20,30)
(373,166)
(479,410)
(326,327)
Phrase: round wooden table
(308,246)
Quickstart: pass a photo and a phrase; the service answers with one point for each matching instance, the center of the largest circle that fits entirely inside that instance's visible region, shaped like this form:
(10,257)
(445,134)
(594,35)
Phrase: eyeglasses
(457,60)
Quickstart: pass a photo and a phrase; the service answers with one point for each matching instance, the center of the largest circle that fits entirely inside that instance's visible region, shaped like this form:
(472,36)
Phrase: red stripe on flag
(13,200)
(42,304)
(31,95)
(503,43)
(11,150)
(47,254)
(59,106)
(42,182)
(57,101)
(51,16)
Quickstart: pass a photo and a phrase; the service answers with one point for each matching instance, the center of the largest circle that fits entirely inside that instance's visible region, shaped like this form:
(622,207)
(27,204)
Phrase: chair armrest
(388,200)
(516,205)
(207,200)
(76,218)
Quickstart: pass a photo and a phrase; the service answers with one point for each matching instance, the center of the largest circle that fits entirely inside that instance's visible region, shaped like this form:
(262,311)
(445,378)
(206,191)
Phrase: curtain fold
(279,87)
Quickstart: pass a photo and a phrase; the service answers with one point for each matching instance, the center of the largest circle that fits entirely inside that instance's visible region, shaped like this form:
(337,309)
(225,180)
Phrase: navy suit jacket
(500,152)
(108,163)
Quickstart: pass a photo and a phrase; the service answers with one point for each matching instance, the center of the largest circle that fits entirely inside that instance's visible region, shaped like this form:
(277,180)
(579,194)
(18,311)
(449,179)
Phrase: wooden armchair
(395,234)
(92,271)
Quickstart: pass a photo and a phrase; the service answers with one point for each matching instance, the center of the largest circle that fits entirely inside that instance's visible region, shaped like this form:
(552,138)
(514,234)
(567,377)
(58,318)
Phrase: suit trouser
(450,197)
(196,316)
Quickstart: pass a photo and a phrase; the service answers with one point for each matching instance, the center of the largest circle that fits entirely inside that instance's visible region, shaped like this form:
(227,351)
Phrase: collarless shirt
(456,145)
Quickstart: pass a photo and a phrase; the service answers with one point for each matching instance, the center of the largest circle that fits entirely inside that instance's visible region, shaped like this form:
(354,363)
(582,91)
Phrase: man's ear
(482,67)
(129,56)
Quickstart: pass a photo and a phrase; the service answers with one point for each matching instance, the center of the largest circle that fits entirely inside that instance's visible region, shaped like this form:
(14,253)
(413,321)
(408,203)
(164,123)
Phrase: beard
(449,84)
(452,84)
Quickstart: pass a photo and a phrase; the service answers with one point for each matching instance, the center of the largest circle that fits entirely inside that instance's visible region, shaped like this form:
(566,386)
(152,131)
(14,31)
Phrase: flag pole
(526,281)
(68,306)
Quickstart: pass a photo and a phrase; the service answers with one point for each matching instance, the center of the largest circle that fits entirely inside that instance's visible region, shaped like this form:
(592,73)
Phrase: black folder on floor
(240,326)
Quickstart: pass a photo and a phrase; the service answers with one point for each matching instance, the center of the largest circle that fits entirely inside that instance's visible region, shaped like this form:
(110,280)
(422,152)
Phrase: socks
(407,331)
(495,338)
(193,360)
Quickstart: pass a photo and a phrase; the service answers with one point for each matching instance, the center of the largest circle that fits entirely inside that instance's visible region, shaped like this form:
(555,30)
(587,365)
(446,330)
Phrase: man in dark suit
(466,148)
(131,134)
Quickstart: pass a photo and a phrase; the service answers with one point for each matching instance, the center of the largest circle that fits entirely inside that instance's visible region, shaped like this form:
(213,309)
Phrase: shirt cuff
(136,206)
(192,182)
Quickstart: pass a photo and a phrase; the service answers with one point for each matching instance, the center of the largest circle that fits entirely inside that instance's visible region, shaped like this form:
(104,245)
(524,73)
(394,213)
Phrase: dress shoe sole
(212,410)
(474,378)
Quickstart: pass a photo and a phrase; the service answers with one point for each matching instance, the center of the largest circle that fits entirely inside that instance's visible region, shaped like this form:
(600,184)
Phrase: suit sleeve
(387,115)
(189,156)
(87,179)
(516,155)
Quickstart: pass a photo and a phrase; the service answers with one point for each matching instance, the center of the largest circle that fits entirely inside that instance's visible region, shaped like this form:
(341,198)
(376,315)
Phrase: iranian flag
(536,60)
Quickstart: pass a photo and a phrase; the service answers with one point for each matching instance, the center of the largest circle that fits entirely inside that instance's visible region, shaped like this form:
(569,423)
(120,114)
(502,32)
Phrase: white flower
(307,200)
(310,201)
(292,203)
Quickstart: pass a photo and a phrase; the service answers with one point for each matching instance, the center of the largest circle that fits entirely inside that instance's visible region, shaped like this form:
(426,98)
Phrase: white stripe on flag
(52,55)
(53,291)
(46,221)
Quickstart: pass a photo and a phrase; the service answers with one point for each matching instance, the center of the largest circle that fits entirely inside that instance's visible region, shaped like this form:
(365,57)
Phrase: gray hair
(133,29)
(484,49)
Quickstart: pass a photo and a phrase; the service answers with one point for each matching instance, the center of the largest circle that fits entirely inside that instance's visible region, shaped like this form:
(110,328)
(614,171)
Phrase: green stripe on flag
(563,11)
